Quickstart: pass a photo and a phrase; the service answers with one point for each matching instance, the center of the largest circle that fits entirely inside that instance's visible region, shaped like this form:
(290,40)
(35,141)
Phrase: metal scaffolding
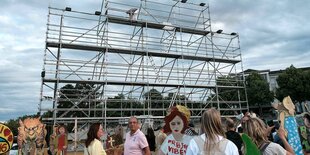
(138,59)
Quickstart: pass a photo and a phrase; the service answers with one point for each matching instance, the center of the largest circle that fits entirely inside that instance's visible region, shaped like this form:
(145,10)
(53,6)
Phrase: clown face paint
(176,125)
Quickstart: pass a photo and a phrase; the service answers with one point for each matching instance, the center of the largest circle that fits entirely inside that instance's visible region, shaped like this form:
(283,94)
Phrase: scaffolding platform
(111,65)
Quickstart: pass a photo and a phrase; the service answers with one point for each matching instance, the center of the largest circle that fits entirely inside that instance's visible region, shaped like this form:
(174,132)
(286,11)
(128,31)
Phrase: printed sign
(6,139)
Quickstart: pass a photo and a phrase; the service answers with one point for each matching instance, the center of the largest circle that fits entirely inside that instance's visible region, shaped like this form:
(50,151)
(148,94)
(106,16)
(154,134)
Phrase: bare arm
(287,146)
(160,152)
(147,151)
(281,119)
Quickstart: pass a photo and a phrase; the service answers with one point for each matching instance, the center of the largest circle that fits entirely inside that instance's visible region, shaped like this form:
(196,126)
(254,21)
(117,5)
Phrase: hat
(289,105)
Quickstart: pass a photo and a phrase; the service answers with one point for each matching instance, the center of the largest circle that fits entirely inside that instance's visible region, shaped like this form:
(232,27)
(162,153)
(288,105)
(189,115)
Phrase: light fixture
(97,13)
(202,4)
(183,1)
(43,74)
(68,9)
(219,31)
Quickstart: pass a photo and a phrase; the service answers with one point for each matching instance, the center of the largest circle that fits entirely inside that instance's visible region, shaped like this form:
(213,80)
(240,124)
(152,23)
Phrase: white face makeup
(176,125)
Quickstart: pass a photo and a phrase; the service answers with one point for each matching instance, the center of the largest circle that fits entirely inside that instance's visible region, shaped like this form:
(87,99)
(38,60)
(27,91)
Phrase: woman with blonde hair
(258,131)
(212,141)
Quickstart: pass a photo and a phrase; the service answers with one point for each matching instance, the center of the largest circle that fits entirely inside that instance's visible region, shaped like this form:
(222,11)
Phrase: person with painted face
(176,122)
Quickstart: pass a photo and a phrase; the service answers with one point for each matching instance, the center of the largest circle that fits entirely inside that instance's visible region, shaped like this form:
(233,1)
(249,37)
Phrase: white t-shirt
(274,148)
(193,148)
(173,147)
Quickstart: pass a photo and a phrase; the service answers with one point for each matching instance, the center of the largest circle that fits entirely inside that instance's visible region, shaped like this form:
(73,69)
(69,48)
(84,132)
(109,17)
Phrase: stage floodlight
(183,1)
(97,13)
(219,31)
(68,9)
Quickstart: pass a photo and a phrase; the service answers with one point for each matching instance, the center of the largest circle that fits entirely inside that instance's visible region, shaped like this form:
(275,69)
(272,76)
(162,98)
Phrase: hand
(269,129)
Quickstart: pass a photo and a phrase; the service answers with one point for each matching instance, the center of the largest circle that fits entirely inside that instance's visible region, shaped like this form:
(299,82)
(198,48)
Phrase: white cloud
(6,110)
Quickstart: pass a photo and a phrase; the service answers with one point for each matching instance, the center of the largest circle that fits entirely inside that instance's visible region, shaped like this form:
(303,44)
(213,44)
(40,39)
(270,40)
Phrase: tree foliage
(229,94)
(154,99)
(258,90)
(81,95)
(295,83)
(153,94)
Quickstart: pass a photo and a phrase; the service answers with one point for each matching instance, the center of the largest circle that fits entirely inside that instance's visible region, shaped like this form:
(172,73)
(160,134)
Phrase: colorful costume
(31,136)
(303,129)
(287,119)
(176,122)
(62,141)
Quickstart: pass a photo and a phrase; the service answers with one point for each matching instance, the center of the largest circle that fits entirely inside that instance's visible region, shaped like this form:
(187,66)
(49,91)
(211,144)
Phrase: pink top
(134,144)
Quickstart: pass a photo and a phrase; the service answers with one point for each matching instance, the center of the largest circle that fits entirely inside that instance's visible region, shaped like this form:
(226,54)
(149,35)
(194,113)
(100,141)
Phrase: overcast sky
(273,35)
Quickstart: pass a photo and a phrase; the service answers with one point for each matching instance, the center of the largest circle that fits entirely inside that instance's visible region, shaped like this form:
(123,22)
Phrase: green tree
(258,90)
(227,93)
(153,94)
(79,96)
(155,99)
(121,102)
(230,91)
(292,82)
(13,125)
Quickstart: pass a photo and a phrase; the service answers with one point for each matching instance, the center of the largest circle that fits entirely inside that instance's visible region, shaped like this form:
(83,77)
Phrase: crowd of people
(217,136)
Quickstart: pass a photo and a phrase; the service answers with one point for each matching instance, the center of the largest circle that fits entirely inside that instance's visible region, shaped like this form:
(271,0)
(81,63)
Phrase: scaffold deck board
(136,83)
(139,52)
(139,23)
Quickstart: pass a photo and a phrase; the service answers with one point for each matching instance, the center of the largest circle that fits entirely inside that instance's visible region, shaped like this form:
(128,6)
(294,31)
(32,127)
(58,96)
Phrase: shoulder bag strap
(263,147)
